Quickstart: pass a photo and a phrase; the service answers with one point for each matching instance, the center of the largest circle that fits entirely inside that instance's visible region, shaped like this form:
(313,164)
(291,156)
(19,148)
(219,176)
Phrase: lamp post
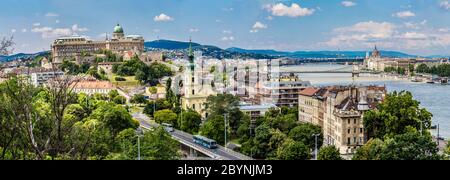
(225,128)
(139,134)
(315,149)
(154,107)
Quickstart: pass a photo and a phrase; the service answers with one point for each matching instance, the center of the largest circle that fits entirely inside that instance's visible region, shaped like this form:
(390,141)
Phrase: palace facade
(75,47)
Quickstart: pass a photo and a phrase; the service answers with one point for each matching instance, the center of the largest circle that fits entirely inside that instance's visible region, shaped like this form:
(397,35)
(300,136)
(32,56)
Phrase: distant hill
(207,50)
(169,45)
(265,52)
(319,54)
(22,56)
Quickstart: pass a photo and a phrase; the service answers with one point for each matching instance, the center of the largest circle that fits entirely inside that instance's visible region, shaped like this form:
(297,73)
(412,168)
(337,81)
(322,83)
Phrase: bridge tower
(355,71)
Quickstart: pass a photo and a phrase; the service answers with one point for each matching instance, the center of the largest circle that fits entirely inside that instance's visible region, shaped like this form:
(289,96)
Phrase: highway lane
(220,153)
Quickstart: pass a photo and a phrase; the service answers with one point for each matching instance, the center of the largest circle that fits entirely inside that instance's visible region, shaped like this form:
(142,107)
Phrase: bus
(205,142)
(168,127)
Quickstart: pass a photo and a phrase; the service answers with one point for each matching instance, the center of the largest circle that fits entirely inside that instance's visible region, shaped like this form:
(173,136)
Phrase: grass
(235,141)
(130,81)
(136,109)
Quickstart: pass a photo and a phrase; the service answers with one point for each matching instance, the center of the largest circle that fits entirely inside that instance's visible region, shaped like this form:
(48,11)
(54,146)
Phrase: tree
(410,146)
(305,133)
(398,111)
(115,117)
(120,100)
(329,153)
(113,94)
(370,151)
(157,105)
(154,145)
(190,121)
(166,116)
(222,104)
(5,46)
(407,146)
(138,99)
(214,128)
(293,150)
(422,68)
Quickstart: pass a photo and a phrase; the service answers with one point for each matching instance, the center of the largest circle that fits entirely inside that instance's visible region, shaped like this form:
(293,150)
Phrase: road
(220,153)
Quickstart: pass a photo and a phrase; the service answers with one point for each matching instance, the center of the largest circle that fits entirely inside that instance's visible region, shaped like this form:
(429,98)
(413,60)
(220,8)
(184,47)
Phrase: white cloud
(417,37)
(24,30)
(412,25)
(228,9)
(258,26)
(227,32)
(361,32)
(445,5)
(25,45)
(348,3)
(50,14)
(57,21)
(36,24)
(404,14)
(295,10)
(49,32)
(414,35)
(13,30)
(162,18)
(194,30)
(75,28)
(228,38)
(270,18)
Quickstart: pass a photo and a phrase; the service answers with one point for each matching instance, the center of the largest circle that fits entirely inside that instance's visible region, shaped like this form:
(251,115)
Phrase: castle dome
(118,29)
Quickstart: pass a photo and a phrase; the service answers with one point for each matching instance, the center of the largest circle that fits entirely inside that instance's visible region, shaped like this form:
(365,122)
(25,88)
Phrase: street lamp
(316,149)
(139,133)
(225,128)
(154,107)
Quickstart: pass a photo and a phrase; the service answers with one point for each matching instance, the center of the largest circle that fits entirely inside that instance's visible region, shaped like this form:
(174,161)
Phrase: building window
(360,130)
(354,140)
(354,121)
(348,131)
(193,107)
(349,121)
(354,130)
(348,141)
(193,92)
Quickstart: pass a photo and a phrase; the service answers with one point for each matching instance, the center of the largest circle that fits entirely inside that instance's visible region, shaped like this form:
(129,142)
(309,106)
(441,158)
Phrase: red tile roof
(310,91)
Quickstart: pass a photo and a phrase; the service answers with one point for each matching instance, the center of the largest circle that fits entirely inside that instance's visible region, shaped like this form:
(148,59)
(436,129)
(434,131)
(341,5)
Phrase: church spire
(190,47)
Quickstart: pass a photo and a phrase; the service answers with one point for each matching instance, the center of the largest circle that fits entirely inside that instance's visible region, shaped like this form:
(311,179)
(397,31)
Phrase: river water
(434,97)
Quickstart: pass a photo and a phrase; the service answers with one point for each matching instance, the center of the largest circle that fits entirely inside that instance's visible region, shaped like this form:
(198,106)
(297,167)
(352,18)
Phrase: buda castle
(76,46)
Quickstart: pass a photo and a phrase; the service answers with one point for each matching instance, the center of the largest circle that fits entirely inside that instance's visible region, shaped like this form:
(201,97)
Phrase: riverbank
(435,98)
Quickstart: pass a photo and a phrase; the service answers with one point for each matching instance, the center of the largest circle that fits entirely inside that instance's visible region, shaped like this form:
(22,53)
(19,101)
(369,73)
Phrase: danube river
(434,97)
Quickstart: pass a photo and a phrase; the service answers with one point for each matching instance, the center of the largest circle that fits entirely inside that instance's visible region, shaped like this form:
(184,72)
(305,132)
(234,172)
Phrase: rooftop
(310,91)
(90,84)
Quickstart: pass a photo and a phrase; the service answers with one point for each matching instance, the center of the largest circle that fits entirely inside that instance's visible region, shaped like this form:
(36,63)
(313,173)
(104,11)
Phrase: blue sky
(419,27)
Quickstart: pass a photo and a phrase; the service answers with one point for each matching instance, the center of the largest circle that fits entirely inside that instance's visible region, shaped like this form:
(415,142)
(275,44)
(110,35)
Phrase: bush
(120,79)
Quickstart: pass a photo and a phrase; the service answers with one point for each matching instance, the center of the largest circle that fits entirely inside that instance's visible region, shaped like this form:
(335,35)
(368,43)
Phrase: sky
(419,27)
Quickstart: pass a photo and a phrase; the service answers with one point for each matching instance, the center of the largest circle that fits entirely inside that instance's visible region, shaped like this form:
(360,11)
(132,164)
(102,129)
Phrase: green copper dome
(118,29)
